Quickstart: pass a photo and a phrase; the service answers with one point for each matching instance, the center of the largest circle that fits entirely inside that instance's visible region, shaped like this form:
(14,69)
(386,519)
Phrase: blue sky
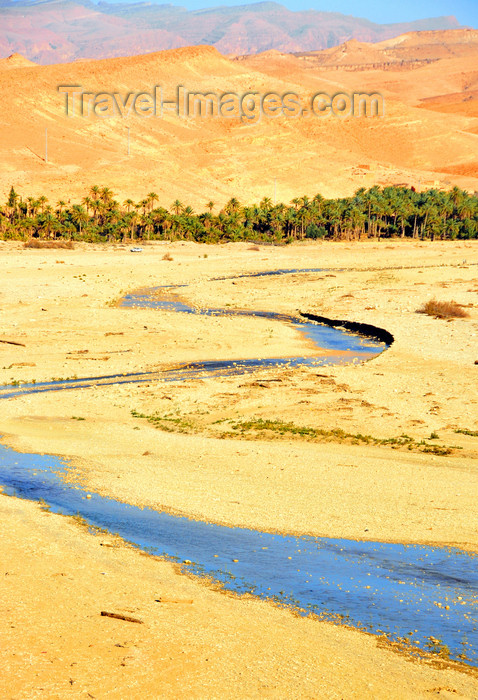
(466,11)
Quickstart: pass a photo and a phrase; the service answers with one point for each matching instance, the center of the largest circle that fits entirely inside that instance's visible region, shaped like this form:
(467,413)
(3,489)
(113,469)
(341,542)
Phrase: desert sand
(71,325)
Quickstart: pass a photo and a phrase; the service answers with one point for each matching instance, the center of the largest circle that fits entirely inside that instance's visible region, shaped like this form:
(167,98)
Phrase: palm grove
(373,213)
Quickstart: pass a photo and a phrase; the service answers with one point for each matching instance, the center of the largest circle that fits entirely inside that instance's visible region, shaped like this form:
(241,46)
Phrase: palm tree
(318,202)
(177,207)
(106,195)
(79,216)
(41,203)
(32,205)
(144,205)
(233,206)
(12,202)
(60,205)
(207,219)
(151,199)
(303,213)
(456,196)
(88,203)
(133,220)
(465,208)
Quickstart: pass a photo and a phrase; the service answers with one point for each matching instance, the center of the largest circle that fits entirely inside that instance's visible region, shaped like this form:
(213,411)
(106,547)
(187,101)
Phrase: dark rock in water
(366,329)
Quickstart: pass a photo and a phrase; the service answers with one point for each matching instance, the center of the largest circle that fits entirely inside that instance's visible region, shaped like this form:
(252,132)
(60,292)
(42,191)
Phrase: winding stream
(428,595)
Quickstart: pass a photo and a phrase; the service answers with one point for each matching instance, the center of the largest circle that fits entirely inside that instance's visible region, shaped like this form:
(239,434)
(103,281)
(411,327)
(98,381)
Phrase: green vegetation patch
(260,425)
(275,429)
(464,431)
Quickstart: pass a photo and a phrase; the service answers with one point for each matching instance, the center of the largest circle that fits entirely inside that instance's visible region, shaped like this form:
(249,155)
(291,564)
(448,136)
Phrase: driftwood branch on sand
(13,342)
(117,616)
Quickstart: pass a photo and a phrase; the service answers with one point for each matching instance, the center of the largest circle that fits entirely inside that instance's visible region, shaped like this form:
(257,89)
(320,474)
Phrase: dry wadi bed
(62,306)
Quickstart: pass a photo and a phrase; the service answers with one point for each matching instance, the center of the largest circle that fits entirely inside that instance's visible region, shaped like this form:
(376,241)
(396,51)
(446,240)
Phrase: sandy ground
(62,306)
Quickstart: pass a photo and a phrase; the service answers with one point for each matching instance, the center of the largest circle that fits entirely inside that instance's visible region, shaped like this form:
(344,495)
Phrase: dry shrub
(443,309)
(253,247)
(35,243)
(167,256)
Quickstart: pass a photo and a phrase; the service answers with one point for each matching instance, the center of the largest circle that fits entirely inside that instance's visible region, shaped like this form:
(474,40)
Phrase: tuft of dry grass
(443,309)
(35,243)
(167,256)
(253,247)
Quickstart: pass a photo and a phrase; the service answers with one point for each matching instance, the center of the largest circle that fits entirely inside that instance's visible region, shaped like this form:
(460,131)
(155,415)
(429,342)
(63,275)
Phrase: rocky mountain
(53,31)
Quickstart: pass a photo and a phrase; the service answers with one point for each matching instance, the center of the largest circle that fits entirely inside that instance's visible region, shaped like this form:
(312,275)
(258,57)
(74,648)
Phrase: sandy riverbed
(61,305)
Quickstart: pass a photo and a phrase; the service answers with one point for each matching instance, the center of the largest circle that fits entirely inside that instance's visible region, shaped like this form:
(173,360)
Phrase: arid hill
(427,138)
(55,31)
(405,50)
(448,81)
(15,60)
